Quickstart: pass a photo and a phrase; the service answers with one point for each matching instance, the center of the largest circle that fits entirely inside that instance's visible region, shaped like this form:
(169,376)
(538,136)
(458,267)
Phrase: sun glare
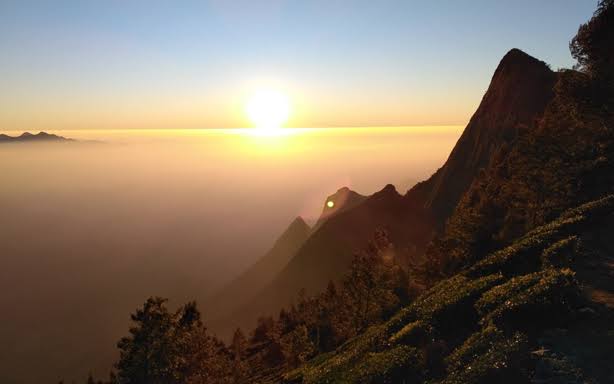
(268,110)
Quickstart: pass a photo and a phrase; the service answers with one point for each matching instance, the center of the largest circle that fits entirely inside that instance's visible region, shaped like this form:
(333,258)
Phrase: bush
(449,305)
(477,344)
(531,301)
(489,357)
(400,364)
(560,254)
(415,333)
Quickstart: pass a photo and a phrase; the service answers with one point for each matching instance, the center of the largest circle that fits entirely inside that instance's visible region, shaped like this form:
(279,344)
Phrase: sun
(268,109)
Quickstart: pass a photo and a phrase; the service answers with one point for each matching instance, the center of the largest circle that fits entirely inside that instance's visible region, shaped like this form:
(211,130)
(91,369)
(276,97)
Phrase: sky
(193,64)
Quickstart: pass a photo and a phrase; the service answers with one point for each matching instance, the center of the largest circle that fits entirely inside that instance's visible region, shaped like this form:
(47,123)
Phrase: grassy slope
(522,314)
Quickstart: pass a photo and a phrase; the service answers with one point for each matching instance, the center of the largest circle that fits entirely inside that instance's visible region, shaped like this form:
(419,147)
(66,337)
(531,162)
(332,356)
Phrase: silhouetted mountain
(516,98)
(28,137)
(242,290)
(327,253)
(563,160)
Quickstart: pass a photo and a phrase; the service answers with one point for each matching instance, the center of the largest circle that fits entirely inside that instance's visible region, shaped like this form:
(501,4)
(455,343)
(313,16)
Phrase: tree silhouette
(593,46)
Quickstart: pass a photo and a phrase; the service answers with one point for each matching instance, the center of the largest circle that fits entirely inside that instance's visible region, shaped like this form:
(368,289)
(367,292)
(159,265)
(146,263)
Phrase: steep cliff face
(563,160)
(519,92)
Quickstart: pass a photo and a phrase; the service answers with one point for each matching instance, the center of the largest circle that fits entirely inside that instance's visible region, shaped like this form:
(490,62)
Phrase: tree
(593,45)
(170,347)
(263,329)
(368,287)
(146,355)
(239,349)
(299,347)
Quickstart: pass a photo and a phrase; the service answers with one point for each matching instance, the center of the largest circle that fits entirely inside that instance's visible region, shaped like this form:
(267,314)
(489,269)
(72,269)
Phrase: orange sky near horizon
(38,112)
(153,65)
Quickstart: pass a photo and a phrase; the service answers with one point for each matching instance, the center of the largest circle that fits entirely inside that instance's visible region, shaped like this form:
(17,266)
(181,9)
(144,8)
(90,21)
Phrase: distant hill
(28,137)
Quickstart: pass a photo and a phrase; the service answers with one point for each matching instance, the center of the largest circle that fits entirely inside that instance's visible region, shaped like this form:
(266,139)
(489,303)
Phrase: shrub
(531,301)
(489,357)
(415,333)
(399,364)
(560,254)
(449,306)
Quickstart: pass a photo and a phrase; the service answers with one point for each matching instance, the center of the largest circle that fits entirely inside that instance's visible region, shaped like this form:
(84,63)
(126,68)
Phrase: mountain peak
(516,98)
(389,188)
(298,224)
(517,56)
(338,202)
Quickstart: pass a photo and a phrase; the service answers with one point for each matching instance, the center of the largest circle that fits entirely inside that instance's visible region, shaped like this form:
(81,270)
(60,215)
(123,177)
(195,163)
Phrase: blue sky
(189,64)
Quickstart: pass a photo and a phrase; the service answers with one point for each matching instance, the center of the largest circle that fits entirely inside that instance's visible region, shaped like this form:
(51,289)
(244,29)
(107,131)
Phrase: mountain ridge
(31,137)
(241,290)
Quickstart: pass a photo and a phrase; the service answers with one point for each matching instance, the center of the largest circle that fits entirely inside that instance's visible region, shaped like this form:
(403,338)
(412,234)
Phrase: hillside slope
(509,318)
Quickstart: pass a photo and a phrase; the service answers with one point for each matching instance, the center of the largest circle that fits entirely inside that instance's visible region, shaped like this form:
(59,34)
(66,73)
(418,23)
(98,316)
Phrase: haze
(89,230)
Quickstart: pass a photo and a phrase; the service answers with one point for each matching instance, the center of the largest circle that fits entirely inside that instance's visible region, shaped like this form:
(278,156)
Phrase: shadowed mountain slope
(564,161)
(240,291)
(326,255)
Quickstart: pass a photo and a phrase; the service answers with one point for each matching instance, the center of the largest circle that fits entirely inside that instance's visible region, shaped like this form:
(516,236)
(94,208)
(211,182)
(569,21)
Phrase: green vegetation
(414,333)
(489,357)
(471,328)
(537,299)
